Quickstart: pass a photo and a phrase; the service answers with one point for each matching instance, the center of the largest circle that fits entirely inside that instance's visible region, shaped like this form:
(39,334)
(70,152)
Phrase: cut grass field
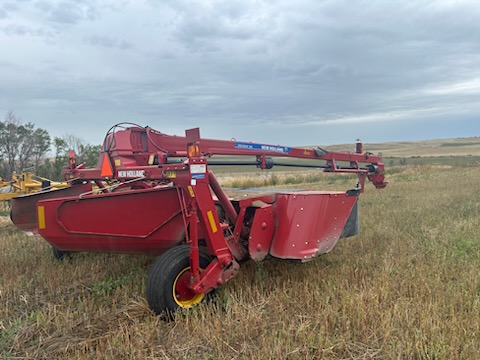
(407,286)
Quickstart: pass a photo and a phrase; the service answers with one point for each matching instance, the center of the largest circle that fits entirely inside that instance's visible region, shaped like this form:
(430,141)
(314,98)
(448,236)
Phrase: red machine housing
(135,221)
(160,201)
(288,225)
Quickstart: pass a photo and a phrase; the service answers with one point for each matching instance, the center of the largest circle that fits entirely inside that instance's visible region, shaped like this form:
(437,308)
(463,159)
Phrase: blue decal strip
(271,148)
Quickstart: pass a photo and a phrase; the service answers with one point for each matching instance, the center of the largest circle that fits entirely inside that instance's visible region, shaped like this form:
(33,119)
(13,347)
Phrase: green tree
(41,146)
(26,146)
(21,145)
(10,140)
(84,152)
(89,154)
(61,157)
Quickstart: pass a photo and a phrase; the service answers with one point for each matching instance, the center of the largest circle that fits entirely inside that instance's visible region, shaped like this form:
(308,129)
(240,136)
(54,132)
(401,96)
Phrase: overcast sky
(292,72)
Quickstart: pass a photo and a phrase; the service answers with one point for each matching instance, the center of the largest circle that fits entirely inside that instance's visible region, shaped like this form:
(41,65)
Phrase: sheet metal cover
(309,223)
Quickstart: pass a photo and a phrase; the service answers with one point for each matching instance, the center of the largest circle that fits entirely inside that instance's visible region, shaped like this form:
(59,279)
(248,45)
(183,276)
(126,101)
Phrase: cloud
(295,66)
(465,87)
(22,30)
(69,12)
(108,42)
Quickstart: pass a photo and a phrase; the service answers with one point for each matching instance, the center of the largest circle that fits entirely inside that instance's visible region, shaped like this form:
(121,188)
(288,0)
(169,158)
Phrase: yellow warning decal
(171,174)
(118,162)
(41,217)
(212,222)
(190,190)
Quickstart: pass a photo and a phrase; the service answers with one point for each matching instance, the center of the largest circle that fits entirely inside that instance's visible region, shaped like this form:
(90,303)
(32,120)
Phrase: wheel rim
(183,295)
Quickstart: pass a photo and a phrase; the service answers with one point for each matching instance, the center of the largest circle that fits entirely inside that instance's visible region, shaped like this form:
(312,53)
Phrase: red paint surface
(24,208)
(309,223)
(261,235)
(135,221)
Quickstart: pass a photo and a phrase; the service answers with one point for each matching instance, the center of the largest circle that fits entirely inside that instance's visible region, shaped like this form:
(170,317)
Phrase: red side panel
(136,221)
(309,223)
(24,208)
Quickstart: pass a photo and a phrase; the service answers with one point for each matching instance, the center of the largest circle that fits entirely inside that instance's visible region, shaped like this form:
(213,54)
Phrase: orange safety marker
(107,170)
(41,217)
(211,220)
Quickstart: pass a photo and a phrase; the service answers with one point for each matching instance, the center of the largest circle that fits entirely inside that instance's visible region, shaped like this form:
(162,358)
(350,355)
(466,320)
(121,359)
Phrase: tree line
(24,147)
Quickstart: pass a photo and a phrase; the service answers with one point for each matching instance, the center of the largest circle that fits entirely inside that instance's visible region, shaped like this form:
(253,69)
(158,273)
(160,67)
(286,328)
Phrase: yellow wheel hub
(183,295)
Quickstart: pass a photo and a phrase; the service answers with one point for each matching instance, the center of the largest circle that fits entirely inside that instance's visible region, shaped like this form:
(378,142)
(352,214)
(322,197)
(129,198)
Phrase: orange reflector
(212,222)
(41,217)
(107,170)
(193,151)
(151,159)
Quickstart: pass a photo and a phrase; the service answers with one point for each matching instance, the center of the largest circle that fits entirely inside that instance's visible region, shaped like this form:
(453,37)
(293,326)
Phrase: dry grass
(284,179)
(407,287)
(437,147)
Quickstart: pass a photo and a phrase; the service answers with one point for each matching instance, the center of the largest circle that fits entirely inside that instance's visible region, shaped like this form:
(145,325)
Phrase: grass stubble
(406,287)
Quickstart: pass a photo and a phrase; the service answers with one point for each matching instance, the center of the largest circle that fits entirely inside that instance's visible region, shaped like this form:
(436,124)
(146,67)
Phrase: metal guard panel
(309,223)
(24,208)
(133,214)
(352,225)
(139,221)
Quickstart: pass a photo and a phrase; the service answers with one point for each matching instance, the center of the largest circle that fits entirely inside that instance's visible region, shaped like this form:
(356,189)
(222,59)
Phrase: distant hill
(437,147)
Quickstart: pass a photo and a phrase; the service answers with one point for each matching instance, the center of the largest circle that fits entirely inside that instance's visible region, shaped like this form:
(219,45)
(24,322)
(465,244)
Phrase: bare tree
(73,143)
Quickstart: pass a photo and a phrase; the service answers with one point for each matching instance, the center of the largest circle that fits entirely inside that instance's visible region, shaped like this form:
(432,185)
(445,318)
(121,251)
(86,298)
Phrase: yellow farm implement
(26,183)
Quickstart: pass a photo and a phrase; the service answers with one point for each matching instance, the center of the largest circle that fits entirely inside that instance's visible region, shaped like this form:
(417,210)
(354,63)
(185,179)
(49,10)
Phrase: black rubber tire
(164,273)
(61,255)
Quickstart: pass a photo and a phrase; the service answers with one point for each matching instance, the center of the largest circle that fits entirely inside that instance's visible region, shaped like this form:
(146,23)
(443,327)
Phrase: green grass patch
(459,144)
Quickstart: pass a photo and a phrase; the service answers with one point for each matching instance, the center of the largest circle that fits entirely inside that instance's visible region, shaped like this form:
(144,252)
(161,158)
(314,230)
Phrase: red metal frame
(167,203)
(131,153)
(289,225)
(140,154)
